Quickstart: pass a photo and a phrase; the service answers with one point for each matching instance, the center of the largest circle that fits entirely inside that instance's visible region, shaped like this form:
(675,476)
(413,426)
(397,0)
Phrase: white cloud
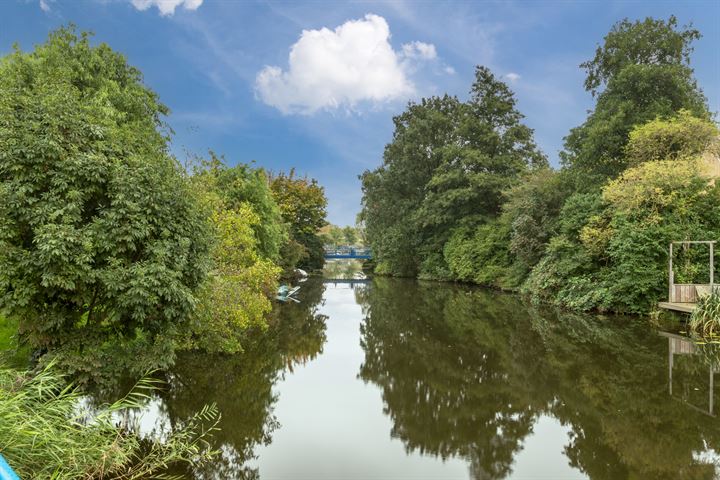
(166,7)
(449,70)
(329,69)
(421,50)
(513,77)
(45,5)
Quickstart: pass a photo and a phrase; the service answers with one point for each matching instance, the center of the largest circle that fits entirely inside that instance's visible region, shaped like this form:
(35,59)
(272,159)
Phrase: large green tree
(641,71)
(100,236)
(303,206)
(447,166)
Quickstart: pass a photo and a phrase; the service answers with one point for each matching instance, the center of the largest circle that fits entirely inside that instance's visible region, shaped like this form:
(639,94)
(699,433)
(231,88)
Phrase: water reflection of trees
(466,373)
(241,385)
(341,269)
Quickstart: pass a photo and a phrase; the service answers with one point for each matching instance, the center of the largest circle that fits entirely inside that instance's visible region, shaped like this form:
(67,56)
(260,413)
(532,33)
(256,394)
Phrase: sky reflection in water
(400,379)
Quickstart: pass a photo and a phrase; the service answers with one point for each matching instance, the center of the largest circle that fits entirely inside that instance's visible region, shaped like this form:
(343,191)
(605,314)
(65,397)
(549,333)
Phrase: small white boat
(286,293)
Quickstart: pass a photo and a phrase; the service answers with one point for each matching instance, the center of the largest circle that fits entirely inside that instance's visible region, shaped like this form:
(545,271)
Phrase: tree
(447,167)
(350,235)
(610,253)
(100,235)
(236,297)
(243,183)
(647,42)
(336,235)
(644,69)
(393,193)
(303,206)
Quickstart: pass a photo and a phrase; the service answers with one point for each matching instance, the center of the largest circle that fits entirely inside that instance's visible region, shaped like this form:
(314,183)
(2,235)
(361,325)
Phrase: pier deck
(677,307)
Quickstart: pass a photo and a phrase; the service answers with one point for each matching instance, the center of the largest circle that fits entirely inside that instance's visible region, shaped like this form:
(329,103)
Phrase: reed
(705,318)
(46,433)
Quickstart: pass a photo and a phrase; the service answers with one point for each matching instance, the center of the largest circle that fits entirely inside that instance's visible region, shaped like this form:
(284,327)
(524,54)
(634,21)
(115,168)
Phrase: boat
(6,472)
(286,293)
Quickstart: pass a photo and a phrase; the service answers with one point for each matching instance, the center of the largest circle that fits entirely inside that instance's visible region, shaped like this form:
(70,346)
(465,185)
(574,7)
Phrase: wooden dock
(678,307)
(683,297)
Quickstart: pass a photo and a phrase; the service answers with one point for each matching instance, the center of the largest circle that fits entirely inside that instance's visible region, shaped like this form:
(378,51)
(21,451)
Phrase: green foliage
(681,137)
(647,42)
(447,167)
(334,235)
(303,206)
(45,435)
(100,236)
(12,353)
(616,259)
(534,206)
(240,184)
(645,69)
(483,255)
(350,235)
(236,296)
(466,179)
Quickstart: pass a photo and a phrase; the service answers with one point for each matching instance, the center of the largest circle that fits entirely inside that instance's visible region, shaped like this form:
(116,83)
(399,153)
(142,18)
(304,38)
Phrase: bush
(236,296)
(99,232)
(483,256)
(679,138)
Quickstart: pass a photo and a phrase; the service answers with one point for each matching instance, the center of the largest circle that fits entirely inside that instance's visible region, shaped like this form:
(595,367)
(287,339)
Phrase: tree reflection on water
(467,373)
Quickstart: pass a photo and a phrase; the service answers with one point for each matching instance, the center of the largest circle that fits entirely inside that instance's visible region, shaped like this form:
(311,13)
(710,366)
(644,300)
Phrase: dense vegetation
(45,434)
(114,256)
(109,248)
(464,194)
(303,206)
(334,235)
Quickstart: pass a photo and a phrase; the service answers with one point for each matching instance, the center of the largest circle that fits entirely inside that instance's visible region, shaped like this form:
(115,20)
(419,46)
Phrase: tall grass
(705,318)
(45,433)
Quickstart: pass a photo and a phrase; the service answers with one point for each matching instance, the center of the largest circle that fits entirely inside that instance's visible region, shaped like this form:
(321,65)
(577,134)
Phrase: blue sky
(314,85)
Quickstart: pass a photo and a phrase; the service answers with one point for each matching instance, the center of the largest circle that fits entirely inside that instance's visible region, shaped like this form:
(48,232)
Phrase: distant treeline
(465,194)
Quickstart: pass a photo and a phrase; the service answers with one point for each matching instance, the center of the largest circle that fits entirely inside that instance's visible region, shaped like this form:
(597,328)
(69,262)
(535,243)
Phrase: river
(400,379)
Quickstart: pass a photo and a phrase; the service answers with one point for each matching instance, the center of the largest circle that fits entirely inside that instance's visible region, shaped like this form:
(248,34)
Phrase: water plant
(705,319)
(48,432)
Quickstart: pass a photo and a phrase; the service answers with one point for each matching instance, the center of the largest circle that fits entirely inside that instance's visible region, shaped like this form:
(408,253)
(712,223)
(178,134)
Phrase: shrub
(99,232)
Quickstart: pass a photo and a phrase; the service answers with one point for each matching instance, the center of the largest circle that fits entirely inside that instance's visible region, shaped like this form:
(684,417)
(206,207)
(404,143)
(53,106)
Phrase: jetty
(682,297)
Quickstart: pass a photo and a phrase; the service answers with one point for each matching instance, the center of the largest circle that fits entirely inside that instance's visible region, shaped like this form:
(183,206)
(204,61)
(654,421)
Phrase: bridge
(348,252)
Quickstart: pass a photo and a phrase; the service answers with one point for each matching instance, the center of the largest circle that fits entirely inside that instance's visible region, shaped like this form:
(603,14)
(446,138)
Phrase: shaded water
(397,379)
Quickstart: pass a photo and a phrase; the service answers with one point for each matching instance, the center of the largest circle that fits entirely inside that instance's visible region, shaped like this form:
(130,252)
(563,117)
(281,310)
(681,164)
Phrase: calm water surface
(396,379)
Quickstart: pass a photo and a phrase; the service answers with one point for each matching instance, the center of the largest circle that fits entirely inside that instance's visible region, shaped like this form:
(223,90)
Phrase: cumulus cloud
(166,7)
(513,77)
(328,69)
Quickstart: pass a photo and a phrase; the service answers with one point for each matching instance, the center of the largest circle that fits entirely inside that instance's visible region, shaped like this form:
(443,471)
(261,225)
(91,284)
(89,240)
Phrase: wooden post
(712,389)
(670,365)
(670,275)
(712,266)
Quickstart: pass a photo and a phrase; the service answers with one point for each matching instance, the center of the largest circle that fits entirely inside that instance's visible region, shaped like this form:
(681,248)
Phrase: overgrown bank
(114,256)
(464,194)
